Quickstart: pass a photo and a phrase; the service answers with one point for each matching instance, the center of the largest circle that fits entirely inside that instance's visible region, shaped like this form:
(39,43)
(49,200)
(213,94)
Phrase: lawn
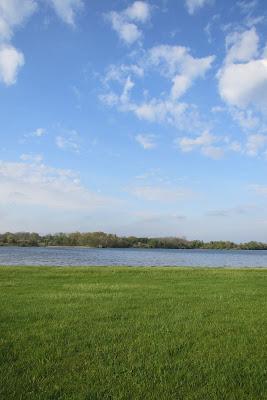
(133,333)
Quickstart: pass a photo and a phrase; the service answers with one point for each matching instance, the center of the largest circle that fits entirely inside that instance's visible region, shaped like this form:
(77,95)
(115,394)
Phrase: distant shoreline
(107,240)
(128,248)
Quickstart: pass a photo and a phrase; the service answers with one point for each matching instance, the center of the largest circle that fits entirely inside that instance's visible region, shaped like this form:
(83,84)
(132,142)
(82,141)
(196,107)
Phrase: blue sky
(143,118)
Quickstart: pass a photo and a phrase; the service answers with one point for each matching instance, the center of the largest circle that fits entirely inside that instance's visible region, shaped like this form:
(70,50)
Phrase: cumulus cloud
(255,143)
(188,144)
(179,65)
(183,116)
(158,110)
(125,22)
(121,72)
(242,47)
(245,118)
(245,84)
(193,5)
(138,11)
(14,13)
(174,63)
(122,100)
(39,132)
(147,141)
(11,60)
(127,31)
(69,141)
(38,184)
(243,78)
(204,143)
(67,9)
(124,75)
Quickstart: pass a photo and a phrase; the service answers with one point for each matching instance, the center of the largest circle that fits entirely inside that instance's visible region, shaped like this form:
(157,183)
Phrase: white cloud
(11,60)
(122,22)
(121,72)
(147,141)
(24,183)
(254,146)
(177,63)
(13,13)
(255,143)
(247,6)
(69,141)
(218,109)
(251,21)
(213,22)
(165,194)
(193,5)
(128,86)
(180,115)
(187,144)
(243,78)
(204,143)
(37,158)
(138,11)
(127,31)
(183,116)
(242,47)
(122,100)
(245,84)
(245,118)
(180,85)
(39,132)
(177,59)
(110,99)
(67,9)
(174,63)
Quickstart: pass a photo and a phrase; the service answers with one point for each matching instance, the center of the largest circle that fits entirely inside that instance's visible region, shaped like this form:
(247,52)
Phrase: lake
(77,256)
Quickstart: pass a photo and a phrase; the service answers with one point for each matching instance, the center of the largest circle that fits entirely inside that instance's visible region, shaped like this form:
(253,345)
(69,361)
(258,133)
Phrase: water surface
(77,256)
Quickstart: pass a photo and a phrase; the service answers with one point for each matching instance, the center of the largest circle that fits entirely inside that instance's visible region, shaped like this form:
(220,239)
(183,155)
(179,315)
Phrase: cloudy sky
(144,118)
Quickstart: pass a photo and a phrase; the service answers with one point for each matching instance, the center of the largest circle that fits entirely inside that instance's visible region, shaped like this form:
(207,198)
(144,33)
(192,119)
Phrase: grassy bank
(132,333)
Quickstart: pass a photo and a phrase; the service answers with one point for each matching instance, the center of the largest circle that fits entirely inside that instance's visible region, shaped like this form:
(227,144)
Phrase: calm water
(71,256)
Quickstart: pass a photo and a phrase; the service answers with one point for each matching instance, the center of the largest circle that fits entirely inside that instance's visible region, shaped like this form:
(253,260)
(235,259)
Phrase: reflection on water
(73,256)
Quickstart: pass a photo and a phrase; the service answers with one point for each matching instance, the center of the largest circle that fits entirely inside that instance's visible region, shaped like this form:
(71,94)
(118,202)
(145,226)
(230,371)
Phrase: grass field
(133,333)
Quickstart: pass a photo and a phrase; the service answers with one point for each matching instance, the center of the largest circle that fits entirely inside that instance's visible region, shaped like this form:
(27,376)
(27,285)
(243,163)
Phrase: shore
(133,333)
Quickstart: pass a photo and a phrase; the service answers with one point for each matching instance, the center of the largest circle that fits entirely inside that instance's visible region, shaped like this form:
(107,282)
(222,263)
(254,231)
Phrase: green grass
(133,333)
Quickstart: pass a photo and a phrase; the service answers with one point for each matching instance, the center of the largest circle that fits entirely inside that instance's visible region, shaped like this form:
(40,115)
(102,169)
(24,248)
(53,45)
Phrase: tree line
(106,240)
